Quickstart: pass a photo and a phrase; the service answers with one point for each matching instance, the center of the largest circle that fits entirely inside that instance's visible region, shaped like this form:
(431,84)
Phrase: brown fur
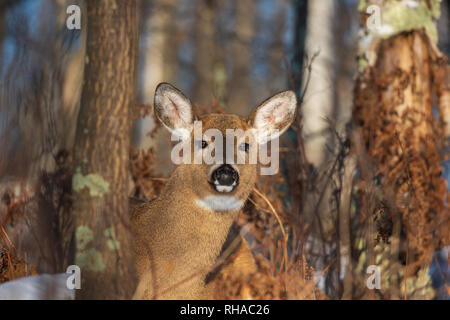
(175,239)
(181,247)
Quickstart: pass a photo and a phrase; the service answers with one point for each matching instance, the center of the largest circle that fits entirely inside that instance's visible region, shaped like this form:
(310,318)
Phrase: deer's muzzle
(225,178)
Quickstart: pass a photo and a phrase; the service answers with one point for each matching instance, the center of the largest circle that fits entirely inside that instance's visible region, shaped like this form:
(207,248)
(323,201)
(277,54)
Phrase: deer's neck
(178,238)
(193,229)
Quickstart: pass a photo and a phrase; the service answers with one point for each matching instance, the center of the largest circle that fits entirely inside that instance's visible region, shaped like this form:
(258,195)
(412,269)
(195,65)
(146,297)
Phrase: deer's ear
(273,117)
(174,110)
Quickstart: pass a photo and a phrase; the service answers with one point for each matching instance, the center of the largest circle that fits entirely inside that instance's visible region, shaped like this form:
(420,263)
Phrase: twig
(272,209)
(308,77)
(285,237)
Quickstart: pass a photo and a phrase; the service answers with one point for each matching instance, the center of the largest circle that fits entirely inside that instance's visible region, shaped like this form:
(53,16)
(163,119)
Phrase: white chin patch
(220,203)
(221,188)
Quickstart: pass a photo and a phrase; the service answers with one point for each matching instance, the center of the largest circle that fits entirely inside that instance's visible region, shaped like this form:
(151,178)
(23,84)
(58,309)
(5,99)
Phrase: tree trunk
(239,97)
(48,72)
(400,70)
(301,13)
(318,213)
(277,50)
(100,181)
(345,245)
(319,100)
(204,52)
(158,59)
(2,29)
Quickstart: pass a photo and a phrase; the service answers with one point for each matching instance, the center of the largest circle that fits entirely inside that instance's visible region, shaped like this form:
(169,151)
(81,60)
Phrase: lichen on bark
(94,182)
(400,16)
(111,241)
(83,236)
(91,260)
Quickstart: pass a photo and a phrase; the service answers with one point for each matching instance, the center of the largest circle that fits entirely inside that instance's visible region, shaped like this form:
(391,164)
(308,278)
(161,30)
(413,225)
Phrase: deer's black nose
(225,175)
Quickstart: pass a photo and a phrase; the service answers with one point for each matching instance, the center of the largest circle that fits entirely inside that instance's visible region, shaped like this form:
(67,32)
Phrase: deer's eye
(244,147)
(204,144)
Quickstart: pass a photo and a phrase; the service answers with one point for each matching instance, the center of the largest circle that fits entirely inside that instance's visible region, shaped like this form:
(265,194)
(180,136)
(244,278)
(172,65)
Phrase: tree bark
(204,52)
(239,98)
(318,213)
(277,51)
(345,244)
(393,113)
(100,181)
(319,100)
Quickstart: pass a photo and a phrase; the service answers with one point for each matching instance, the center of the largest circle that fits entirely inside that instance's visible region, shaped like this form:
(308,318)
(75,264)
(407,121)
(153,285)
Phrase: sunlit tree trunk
(319,100)
(317,110)
(400,69)
(100,180)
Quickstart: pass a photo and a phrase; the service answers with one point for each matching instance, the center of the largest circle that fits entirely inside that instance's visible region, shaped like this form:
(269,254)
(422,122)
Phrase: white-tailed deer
(180,236)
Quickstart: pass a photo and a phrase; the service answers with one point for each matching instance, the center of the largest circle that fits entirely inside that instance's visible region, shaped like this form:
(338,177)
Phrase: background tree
(159,39)
(317,136)
(39,100)
(205,52)
(101,175)
(239,99)
(158,58)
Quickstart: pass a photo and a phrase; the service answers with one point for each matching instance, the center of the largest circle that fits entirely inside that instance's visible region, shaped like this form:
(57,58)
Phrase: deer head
(222,149)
